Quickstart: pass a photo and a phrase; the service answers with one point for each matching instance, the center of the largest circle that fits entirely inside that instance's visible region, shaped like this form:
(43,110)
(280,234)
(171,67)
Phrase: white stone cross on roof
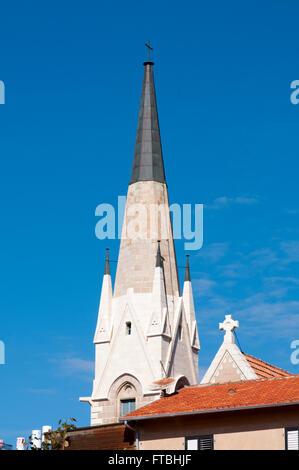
(229,325)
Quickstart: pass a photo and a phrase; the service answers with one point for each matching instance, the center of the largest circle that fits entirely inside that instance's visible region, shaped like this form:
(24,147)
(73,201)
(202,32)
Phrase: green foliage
(56,440)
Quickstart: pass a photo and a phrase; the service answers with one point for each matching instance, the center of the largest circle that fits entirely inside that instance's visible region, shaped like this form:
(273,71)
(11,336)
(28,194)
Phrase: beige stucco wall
(173,443)
(233,430)
(268,439)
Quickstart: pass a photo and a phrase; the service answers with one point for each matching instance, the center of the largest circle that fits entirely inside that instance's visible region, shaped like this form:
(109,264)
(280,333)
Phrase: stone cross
(229,325)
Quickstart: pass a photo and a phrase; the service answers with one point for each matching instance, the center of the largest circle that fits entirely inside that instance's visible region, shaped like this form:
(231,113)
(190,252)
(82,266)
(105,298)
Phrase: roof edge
(215,410)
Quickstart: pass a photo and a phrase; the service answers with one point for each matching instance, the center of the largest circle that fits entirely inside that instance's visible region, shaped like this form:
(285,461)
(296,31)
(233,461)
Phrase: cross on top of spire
(148,160)
(228,326)
(149,49)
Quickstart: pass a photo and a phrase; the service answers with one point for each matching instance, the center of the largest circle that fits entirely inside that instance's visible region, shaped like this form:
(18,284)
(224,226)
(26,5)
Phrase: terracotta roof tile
(263,369)
(166,381)
(213,397)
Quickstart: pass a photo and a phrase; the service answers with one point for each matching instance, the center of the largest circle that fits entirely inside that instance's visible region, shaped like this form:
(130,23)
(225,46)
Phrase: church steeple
(146,329)
(148,192)
(148,160)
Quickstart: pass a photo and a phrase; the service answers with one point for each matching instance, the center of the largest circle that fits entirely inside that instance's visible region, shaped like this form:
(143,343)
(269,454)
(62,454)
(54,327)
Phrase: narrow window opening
(128,328)
(180,332)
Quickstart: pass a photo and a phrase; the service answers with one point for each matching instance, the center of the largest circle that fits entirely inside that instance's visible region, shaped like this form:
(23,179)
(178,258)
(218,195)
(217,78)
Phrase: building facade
(260,414)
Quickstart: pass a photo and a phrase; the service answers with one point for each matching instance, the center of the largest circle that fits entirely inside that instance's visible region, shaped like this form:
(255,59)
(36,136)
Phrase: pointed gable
(229,364)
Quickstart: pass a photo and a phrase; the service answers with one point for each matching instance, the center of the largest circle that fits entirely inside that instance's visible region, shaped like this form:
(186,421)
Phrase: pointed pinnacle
(107,264)
(148,159)
(187,272)
(159,259)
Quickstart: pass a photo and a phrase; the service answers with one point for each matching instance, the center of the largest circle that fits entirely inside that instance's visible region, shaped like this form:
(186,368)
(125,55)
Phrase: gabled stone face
(145,334)
(229,364)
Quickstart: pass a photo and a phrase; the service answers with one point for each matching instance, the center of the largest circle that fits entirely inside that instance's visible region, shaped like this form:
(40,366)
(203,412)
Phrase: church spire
(189,308)
(151,221)
(148,160)
(107,263)
(103,329)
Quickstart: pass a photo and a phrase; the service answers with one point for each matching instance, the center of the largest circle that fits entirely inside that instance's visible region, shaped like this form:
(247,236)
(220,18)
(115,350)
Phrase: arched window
(125,394)
(126,398)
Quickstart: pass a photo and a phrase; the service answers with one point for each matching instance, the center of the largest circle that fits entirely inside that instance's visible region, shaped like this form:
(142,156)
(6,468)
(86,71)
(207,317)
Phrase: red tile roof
(228,396)
(263,369)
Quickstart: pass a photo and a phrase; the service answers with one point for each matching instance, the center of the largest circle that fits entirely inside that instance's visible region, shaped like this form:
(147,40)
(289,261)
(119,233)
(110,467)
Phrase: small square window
(199,442)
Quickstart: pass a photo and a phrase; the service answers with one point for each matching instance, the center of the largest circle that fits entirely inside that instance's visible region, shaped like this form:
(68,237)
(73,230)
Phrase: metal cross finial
(228,326)
(149,48)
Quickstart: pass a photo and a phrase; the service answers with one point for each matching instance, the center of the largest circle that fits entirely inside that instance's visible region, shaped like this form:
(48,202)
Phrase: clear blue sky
(73,73)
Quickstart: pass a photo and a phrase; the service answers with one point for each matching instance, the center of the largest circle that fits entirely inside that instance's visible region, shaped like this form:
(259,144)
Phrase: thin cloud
(204,287)
(280,279)
(224,202)
(278,318)
(76,365)
(234,270)
(292,211)
(214,252)
(263,257)
(291,250)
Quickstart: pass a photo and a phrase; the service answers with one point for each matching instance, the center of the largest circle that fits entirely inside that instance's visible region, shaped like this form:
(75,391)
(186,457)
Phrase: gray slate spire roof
(107,263)
(187,272)
(148,160)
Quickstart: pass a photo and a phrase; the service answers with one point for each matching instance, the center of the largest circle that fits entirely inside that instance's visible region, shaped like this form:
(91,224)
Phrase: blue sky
(73,73)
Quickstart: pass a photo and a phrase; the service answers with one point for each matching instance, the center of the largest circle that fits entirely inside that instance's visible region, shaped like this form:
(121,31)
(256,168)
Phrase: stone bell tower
(146,338)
